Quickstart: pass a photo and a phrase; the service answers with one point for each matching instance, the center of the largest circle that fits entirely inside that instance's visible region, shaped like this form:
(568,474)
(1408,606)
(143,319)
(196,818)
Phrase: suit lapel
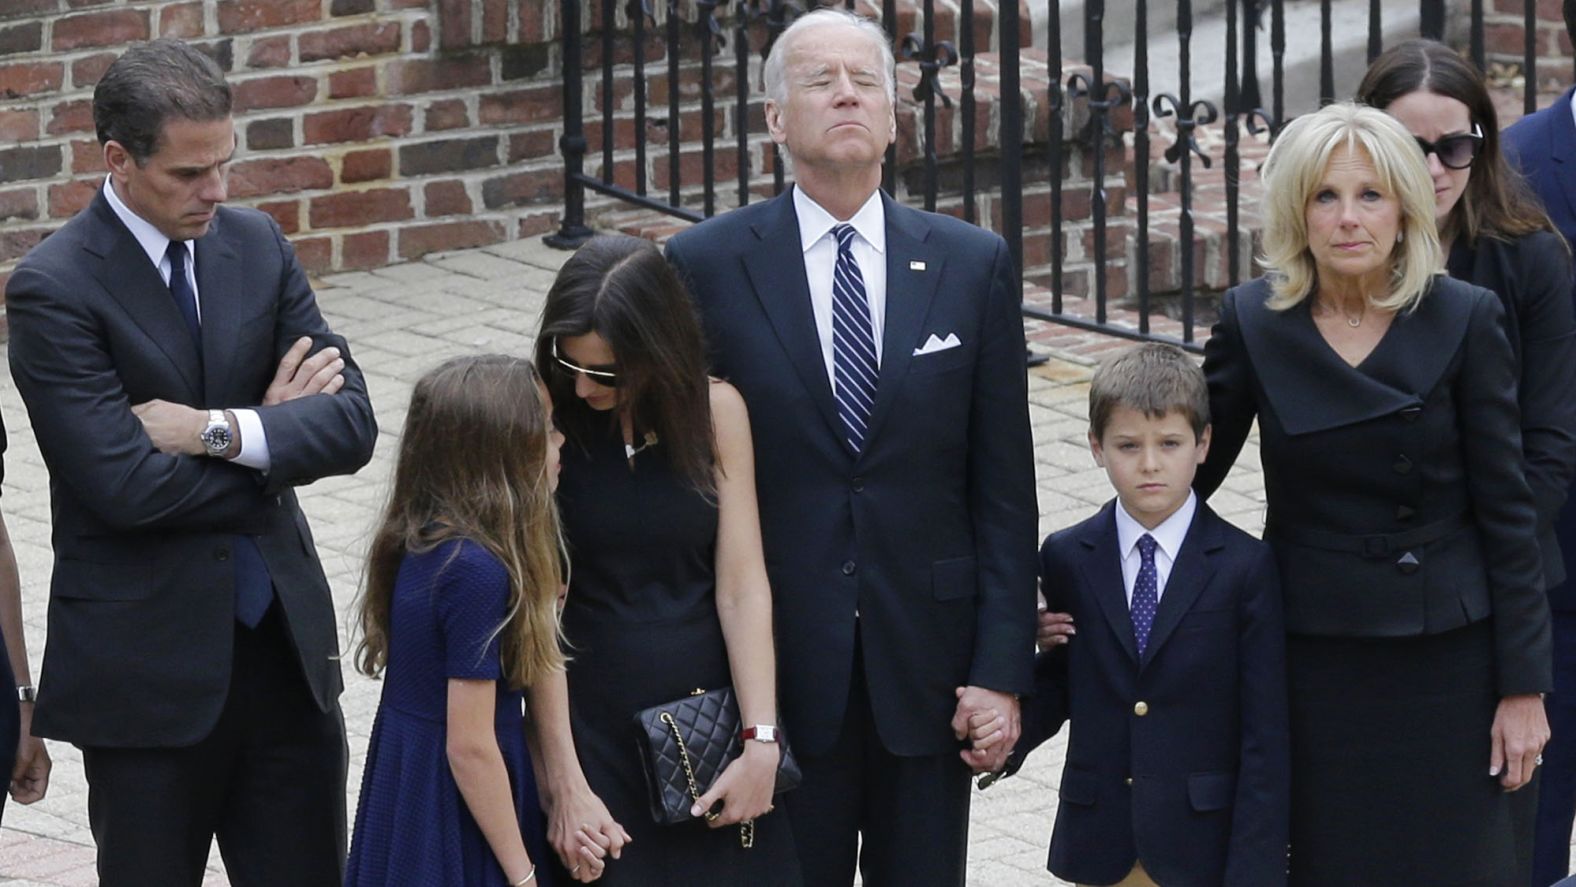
(909,292)
(131,279)
(776,272)
(218,289)
(1562,135)
(1102,569)
(1190,573)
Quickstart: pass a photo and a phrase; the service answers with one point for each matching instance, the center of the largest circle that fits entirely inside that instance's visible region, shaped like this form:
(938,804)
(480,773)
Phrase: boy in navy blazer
(1176,769)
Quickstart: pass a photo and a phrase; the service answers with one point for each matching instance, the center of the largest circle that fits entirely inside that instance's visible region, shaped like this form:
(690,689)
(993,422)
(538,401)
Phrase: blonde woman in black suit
(1402,522)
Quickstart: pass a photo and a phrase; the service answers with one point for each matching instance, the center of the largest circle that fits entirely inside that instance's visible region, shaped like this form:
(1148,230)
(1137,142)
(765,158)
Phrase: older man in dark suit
(181,381)
(1543,146)
(880,351)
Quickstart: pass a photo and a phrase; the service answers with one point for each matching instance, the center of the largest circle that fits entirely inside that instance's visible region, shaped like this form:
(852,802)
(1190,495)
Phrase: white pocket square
(936,343)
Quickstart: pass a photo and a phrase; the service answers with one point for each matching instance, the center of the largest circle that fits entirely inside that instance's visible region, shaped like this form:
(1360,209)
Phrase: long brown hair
(1497,202)
(473,465)
(621,288)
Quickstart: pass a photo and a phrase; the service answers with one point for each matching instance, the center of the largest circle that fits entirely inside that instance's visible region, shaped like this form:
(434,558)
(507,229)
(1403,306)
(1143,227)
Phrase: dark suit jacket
(1198,787)
(1532,277)
(927,533)
(141,606)
(1543,145)
(1397,501)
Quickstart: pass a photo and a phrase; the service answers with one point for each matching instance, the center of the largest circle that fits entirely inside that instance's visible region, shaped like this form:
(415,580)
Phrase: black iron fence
(707,47)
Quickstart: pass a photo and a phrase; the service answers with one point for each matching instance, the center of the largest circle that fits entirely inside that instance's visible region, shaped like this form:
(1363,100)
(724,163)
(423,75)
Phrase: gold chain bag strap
(685,745)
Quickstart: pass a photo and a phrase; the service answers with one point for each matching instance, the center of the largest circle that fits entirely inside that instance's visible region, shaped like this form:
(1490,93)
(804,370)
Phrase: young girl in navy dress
(459,614)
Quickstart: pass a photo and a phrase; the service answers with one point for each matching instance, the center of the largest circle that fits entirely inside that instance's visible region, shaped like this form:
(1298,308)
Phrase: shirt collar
(1168,535)
(151,239)
(815,222)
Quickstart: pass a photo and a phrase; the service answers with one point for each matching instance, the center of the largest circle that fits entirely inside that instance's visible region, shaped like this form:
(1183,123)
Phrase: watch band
(759,733)
(26,693)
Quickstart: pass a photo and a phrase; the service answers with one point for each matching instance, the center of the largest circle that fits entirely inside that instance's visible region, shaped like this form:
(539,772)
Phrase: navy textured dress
(641,619)
(412,825)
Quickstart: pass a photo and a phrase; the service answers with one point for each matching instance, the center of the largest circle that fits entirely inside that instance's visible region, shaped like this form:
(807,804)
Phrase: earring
(1400,236)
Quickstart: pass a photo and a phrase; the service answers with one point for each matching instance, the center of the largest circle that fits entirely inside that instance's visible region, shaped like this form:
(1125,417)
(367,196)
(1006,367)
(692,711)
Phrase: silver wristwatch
(216,436)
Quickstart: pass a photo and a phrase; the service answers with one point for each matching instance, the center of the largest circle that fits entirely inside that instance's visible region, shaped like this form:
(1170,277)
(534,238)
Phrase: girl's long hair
(473,465)
(621,288)
(1497,202)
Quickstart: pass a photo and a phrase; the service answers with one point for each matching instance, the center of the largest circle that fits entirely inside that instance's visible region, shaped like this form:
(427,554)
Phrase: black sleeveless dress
(641,620)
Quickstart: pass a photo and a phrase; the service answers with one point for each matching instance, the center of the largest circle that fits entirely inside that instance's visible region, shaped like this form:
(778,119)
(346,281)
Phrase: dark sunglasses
(602,375)
(1455,152)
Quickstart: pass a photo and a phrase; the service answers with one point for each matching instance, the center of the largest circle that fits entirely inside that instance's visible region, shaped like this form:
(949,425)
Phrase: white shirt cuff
(254,443)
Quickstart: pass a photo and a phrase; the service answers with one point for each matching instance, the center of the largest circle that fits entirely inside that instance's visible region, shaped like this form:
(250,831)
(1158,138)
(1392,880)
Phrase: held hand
(1520,731)
(974,701)
(582,833)
(299,375)
(30,776)
(744,787)
(1054,629)
(173,428)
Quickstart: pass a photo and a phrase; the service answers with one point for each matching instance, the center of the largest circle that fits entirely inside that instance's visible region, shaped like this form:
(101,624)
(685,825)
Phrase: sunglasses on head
(601,375)
(1455,152)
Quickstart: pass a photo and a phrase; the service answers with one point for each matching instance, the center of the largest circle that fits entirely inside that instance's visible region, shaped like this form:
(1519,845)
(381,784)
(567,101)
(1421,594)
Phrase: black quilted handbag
(684,746)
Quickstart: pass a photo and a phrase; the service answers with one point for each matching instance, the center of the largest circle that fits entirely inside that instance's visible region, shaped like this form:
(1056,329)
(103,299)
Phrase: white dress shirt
(1168,541)
(820,258)
(254,442)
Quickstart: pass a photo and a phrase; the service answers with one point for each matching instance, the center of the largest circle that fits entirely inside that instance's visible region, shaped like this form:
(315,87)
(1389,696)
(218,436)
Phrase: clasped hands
(175,428)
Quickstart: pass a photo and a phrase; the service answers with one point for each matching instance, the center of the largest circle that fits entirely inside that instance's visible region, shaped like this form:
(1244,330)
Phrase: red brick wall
(373,130)
(1504,27)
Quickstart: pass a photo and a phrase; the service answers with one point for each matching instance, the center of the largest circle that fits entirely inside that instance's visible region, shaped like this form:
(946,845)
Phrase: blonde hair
(472,465)
(1294,170)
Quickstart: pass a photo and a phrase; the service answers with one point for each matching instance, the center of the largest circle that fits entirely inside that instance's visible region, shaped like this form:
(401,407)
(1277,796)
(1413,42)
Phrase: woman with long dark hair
(1496,235)
(668,591)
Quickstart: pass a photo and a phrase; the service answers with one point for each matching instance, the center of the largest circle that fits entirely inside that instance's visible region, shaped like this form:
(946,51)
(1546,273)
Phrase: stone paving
(400,321)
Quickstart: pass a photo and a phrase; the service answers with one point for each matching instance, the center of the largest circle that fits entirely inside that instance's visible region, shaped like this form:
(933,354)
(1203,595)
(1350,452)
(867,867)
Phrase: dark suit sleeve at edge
(1232,405)
(322,435)
(82,419)
(1260,823)
(1502,509)
(1548,373)
(1002,498)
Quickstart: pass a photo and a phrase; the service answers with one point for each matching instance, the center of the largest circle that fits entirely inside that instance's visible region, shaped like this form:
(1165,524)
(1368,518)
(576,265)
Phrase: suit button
(1408,564)
(279,500)
(848,568)
(859,485)
(221,554)
(1410,414)
(1404,512)
(1128,780)
(1140,708)
(1402,464)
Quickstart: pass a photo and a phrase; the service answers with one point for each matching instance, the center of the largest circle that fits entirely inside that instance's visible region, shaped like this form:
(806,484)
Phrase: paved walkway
(402,320)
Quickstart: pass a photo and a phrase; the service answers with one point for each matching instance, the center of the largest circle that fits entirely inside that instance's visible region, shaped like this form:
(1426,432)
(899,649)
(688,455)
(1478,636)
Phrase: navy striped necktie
(854,364)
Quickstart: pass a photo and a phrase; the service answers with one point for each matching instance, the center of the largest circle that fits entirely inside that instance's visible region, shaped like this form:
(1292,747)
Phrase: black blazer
(1543,145)
(928,533)
(141,603)
(1199,785)
(1388,484)
(1532,277)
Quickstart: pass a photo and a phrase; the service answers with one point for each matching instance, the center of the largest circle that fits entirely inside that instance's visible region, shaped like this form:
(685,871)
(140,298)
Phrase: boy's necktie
(1146,592)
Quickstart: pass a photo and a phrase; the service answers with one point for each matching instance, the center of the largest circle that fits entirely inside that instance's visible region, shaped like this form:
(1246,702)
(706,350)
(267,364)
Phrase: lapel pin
(916,266)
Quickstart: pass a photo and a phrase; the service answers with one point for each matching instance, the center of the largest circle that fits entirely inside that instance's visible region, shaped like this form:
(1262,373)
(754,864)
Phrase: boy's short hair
(1153,379)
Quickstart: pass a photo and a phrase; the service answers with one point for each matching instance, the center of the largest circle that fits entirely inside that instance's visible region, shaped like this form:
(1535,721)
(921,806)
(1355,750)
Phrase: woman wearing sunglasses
(668,590)
(1495,234)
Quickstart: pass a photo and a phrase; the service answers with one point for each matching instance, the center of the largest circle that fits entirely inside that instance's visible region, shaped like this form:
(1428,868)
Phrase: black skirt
(1390,759)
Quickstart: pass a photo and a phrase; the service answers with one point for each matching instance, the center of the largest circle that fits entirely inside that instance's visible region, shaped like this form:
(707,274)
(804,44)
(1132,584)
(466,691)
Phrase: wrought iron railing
(728,40)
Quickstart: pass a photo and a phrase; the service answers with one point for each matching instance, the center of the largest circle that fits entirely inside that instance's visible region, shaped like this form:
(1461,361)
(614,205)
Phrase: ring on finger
(1537,761)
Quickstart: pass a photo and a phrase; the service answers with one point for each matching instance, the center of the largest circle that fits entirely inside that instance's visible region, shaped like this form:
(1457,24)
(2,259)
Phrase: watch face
(216,439)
